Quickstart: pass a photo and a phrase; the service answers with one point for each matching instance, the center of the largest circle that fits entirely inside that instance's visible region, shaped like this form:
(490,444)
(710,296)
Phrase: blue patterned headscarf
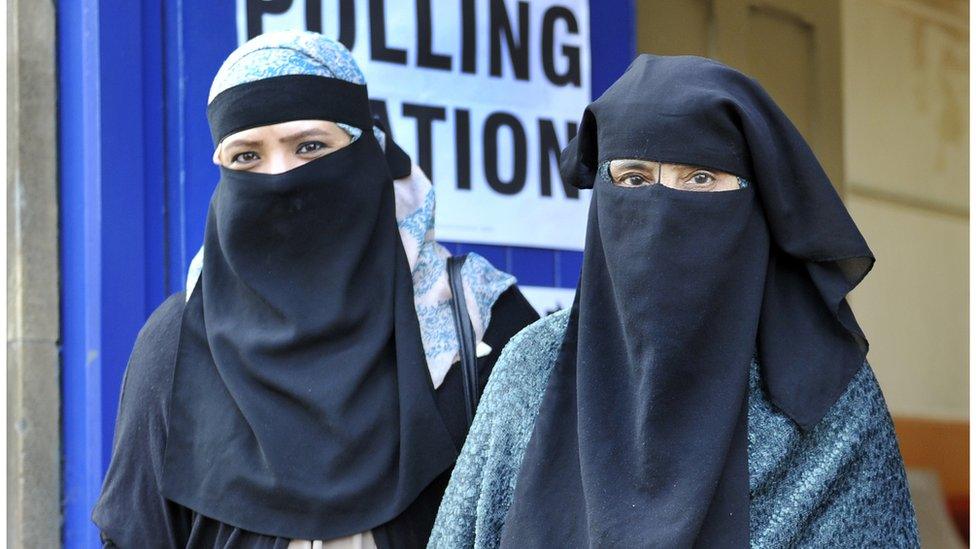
(287,53)
(294,52)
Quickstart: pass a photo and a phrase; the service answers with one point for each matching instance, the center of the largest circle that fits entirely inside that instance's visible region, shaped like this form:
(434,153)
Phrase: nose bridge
(279,160)
(667,174)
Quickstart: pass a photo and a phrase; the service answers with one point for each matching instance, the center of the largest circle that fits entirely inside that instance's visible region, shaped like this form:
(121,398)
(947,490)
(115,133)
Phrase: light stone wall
(33,449)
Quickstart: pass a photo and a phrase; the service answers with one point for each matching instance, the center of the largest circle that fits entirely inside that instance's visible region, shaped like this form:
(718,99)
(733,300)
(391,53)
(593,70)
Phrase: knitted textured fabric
(841,484)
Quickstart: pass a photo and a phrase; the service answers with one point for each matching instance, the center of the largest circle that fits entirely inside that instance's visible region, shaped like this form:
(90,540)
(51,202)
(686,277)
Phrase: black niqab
(302,406)
(641,438)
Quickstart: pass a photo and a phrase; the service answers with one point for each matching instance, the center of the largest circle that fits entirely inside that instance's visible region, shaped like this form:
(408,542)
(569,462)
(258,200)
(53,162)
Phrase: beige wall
(906,165)
(880,90)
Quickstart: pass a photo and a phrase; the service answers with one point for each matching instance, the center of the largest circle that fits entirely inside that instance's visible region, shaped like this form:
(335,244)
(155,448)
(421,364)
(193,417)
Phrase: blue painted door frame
(135,181)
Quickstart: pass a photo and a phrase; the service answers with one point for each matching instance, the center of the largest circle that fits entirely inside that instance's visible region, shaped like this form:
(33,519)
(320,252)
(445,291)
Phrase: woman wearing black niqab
(289,399)
(710,378)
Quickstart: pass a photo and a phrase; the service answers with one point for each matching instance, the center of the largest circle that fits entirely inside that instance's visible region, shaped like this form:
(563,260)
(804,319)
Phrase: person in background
(709,386)
(306,389)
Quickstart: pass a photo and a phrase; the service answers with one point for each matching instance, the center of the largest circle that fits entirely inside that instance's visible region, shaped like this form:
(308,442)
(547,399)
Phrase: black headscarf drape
(641,439)
(302,406)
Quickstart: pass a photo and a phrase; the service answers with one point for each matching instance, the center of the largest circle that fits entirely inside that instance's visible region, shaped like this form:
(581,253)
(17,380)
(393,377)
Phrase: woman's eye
(310,147)
(249,156)
(702,178)
(633,180)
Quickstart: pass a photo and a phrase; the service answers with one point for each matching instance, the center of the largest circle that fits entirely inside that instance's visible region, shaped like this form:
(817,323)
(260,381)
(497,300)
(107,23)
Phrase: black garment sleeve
(131,512)
(411,529)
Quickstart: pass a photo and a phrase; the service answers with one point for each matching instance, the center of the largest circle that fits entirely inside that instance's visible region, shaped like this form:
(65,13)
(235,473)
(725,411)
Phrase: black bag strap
(465,335)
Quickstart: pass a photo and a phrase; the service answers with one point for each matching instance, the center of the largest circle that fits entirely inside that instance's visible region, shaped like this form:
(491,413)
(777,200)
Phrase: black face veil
(301,405)
(641,439)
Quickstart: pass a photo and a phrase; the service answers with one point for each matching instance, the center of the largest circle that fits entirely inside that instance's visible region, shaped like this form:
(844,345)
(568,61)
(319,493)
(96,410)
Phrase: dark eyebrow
(311,132)
(250,143)
(638,164)
(685,168)
(242,143)
(618,167)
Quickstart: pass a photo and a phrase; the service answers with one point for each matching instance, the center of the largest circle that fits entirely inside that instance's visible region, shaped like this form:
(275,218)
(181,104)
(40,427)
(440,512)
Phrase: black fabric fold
(696,111)
(397,159)
(301,405)
(286,98)
(656,377)
(641,437)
